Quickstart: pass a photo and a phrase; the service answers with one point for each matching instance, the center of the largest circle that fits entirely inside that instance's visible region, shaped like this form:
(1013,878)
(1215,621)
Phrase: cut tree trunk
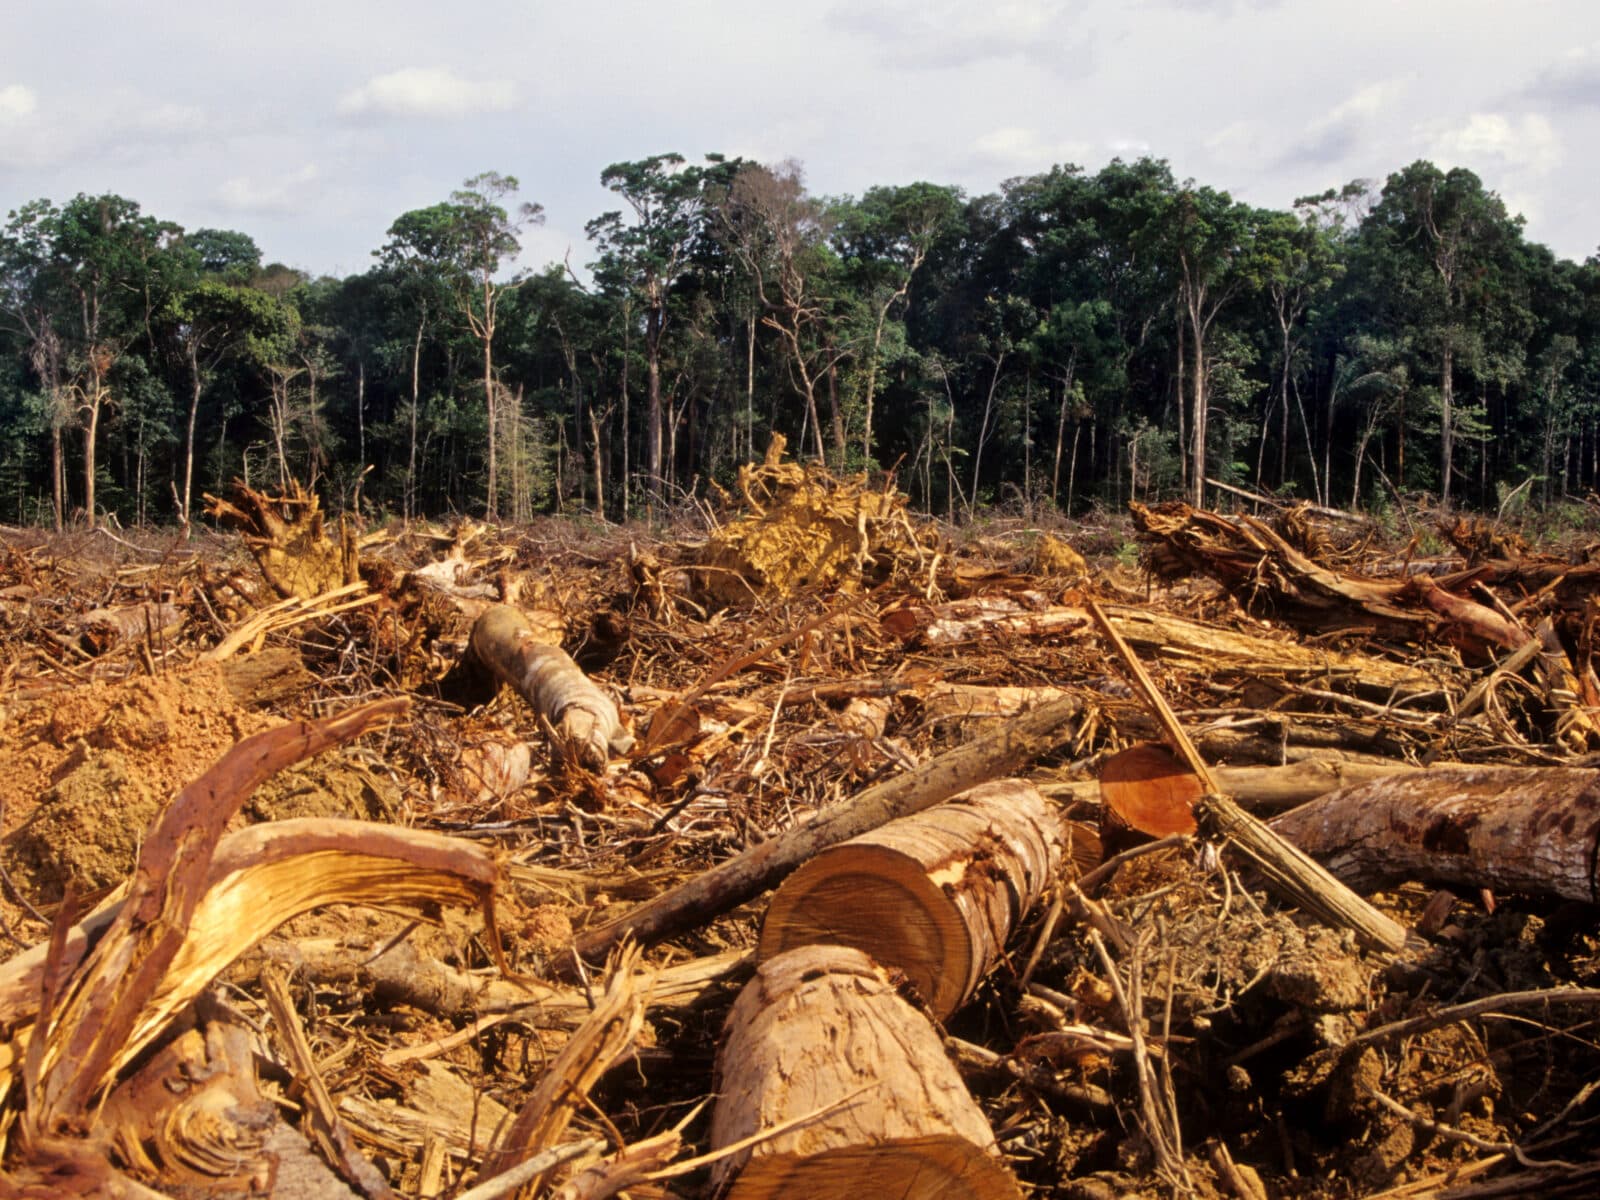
(584,718)
(855,1086)
(1534,830)
(738,879)
(935,895)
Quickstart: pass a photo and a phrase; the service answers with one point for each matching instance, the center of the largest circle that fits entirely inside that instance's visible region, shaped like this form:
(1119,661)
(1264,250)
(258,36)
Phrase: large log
(747,875)
(819,1041)
(584,718)
(1534,830)
(935,895)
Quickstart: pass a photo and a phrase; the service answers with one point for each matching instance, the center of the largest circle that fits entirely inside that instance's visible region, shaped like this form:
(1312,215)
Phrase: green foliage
(1110,334)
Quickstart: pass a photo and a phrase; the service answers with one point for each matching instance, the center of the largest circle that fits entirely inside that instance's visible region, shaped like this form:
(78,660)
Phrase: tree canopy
(1071,339)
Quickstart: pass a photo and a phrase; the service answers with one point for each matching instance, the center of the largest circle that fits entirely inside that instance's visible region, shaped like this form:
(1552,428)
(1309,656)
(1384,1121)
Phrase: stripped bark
(935,896)
(584,718)
(820,1032)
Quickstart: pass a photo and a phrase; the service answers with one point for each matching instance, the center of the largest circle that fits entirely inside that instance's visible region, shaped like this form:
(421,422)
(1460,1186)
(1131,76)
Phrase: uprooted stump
(935,895)
(288,538)
(801,527)
(854,1087)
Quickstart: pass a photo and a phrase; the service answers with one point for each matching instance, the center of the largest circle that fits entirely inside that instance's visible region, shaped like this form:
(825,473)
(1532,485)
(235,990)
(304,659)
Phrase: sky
(313,125)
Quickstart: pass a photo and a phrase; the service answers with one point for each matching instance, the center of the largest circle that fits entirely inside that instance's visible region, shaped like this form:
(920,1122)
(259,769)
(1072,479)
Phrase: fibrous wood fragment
(935,895)
(819,1033)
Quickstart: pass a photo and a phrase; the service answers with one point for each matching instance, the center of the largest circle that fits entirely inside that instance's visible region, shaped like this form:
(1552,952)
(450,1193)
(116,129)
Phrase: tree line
(1072,339)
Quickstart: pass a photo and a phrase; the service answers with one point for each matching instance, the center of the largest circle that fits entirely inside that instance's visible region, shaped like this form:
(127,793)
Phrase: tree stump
(934,895)
(819,1037)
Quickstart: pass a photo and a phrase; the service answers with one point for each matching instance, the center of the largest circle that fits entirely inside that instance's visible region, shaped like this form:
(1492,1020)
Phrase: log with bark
(935,895)
(1534,830)
(584,718)
(820,1037)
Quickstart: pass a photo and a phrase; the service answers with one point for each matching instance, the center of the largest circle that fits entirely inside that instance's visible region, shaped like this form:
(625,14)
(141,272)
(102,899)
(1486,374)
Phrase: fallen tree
(935,895)
(584,719)
(1534,830)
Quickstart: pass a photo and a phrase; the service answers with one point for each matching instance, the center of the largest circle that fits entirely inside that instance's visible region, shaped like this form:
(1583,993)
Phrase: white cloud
(279,194)
(953,33)
(1528,143)
(426,92)
(17,101)
(1573,79)
(1015,149)
(1347,126)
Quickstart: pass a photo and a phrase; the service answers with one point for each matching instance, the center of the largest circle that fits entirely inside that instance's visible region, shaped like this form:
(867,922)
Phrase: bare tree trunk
(653,421)
(1446,423)
(188,439)
(416,397)
(492,509)
(57,476)
(750,390)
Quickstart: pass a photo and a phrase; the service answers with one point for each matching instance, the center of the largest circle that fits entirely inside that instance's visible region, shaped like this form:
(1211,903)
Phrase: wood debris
(1265,870)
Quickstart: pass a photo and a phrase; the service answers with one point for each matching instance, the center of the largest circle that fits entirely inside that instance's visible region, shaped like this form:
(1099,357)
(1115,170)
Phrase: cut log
(820,1037)
(1534,830)
(935,895)
(584,718)
(1146,793)
(747,875)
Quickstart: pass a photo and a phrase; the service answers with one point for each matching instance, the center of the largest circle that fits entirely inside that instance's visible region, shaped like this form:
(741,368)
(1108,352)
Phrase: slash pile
(808,849)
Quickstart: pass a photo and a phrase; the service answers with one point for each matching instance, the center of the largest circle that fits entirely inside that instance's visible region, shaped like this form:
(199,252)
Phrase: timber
(1534,830)
(584,718)
(935,895)
(820,1035)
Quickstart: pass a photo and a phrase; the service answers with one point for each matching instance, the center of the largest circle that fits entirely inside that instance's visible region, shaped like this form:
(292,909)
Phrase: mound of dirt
(83,773)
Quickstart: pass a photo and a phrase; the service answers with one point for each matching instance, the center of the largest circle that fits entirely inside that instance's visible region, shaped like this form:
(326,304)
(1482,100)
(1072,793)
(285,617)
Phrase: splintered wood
(817,850)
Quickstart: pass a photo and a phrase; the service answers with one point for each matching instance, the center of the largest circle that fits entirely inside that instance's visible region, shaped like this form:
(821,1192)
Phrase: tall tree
(779,234)
(1439,243)
(207,324)
(469,241)
(647,251)
(885,238)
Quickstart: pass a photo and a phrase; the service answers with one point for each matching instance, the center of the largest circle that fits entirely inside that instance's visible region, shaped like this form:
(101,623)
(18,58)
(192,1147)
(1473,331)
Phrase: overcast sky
(312,125)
